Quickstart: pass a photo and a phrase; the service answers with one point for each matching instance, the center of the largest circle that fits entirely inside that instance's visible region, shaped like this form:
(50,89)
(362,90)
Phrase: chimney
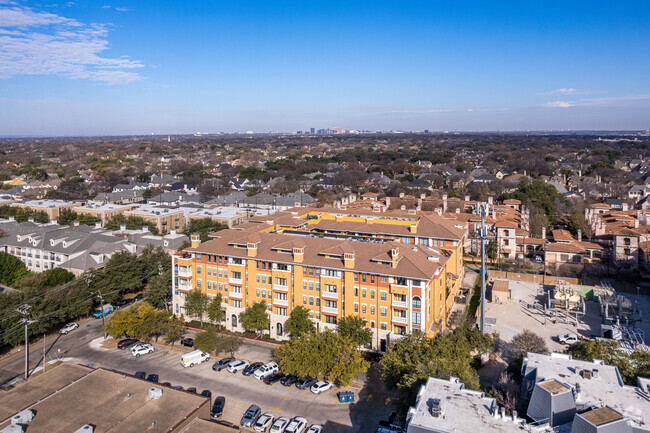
(457,210)
(543,232)
(122,227)
(401,194)
(636,223)
(490,200)
(413,228)
(579,235)
(503,412)
(348,259)
(394,255)
(298,254)
(418,208)
(196,240)
(423,196)
(444,202)
(514,416)
(466,198)
(387,201)
(403,207)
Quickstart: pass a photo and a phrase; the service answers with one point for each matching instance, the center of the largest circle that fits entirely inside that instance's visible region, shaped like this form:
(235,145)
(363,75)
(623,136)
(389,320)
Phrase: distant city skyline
(168,67)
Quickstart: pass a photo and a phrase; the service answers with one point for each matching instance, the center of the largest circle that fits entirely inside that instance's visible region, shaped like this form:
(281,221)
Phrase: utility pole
(484,234)
(24,310)
(101,304)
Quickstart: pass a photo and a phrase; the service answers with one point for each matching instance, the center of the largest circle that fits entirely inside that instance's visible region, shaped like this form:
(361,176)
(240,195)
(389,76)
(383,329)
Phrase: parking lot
(372,401)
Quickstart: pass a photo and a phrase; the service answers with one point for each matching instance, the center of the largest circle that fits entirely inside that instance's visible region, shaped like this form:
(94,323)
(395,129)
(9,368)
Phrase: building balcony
(400,319)
(330,295)
(185,287)
(184,274)
(400,304)
(329,310)
(281,302)
(280,288)
(235,295)
(237,281)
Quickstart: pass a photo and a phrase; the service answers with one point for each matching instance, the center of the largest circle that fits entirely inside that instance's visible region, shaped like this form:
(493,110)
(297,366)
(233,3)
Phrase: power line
(24,310)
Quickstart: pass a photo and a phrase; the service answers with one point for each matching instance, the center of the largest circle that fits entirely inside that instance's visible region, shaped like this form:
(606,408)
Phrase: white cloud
(106,7)
(563,91)
(558,104)
(122,9)
(38,43)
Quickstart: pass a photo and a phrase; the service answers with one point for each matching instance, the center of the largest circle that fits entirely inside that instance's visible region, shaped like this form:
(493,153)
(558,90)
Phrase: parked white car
(69,327)
(142,349)
(236,366)
(297,425)
(321,386)
(568,339)
(315,428)
(280,425)
(265,370)
(264,422)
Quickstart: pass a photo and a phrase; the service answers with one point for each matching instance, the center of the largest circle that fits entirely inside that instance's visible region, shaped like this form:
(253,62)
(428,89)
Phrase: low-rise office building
(165,218)
(102,210)
(52,208)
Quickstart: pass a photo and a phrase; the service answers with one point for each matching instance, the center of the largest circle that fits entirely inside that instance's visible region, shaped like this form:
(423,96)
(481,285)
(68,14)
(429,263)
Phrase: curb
(242,338)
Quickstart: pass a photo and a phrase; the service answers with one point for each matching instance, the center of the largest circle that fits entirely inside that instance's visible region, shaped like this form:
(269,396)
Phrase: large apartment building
(400,272)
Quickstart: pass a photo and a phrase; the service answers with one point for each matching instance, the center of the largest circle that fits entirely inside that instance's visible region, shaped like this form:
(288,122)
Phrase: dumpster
(346,397)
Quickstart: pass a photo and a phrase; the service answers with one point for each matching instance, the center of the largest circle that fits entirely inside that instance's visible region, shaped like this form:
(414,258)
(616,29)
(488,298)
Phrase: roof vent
(155,393)
(85,429)
(436,410)
(22,417)
(586,374)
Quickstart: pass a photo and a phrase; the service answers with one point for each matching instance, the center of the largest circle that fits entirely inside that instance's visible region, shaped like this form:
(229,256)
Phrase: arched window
(416,303)
(234,321)
(279,329)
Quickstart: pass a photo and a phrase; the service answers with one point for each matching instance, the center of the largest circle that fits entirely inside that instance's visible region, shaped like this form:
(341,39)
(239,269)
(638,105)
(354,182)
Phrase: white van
(193,358)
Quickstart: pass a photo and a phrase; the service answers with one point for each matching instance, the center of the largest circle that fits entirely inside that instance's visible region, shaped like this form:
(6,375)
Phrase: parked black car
(206,393)
(217,406)
(273,378)
(167,384)
(306,383)
(138,297)
(251,368)
(222,363)
(153,378)
(192,390)
(140,375)
(187,342)
(178,388)
(126,343)
(289,380)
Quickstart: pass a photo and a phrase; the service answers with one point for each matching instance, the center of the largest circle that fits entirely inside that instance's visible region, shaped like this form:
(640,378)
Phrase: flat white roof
(215,212)
(607,389)
(153,210)
(462,410)
(103,206)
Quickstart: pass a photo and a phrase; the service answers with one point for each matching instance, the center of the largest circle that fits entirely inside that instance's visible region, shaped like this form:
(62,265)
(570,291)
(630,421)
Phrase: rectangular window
(198,270)
(330,304)
(383,278)
(311,272)
(331,273)
(225,273)
(257,291)
(281,296)
(236,275)
(363,308)
(236,303)
(264,279)
(198,284)
(318,287)
(281,281)
(356,307)
(311,285)
(356,277)
(311,300)
(281,311)
(330,319)
(220,286)
(363,292)
(416,318)
(258,278)
(382,326)
(382,311)
(330,288)
(304,300)
(220,273)
(304,271)
(372,310)
(318,302)
(304,285)
(209,270)
(282,267)
(236,261)
(225,287)
(372,279)
(363,278)
(372,294)
(356,292)
(382,295)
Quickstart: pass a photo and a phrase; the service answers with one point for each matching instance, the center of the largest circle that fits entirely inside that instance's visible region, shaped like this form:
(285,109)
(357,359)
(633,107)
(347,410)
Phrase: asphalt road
(81,346)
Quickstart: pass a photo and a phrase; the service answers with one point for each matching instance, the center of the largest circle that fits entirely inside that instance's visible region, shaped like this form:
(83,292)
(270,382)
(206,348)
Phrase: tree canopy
(299,322)
(215,310)
(12,269)
(204,226)
(630,365)
(196,304)
(411,361)
(255,317)
(141,321)
(354,329)
(323,355)
(131,222)
(538,193)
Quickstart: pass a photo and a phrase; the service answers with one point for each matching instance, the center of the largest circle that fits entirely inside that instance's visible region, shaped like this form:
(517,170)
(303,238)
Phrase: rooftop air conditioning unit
(22,417)
(436,410)
(13,428)
(155,392)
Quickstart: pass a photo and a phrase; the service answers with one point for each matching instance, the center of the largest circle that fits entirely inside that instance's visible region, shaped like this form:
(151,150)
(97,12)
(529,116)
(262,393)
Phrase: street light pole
(483,234)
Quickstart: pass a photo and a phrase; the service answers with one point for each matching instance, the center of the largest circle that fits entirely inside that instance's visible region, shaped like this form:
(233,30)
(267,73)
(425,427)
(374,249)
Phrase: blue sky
(136,67)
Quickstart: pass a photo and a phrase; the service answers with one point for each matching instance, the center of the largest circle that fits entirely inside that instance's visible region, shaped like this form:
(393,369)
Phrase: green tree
(299,322)
(174,329)
(608,351)
(196,304)
(158,288)
(354,329)
(204,226)
(411,361)
(131,222)
(538,193)
(322,355)
(12,270)
(119,323)
(215,310)
(255,317)
(228,344)
(206,341)
(491,250)
(57,276)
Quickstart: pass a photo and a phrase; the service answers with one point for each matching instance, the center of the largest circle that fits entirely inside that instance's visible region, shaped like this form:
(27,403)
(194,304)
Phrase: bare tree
(527,341)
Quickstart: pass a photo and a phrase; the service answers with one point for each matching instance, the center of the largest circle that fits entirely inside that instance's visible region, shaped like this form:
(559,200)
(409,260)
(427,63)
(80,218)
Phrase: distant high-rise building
(312,130)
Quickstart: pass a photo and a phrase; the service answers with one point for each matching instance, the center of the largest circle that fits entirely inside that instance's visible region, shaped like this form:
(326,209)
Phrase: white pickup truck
(386,427)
